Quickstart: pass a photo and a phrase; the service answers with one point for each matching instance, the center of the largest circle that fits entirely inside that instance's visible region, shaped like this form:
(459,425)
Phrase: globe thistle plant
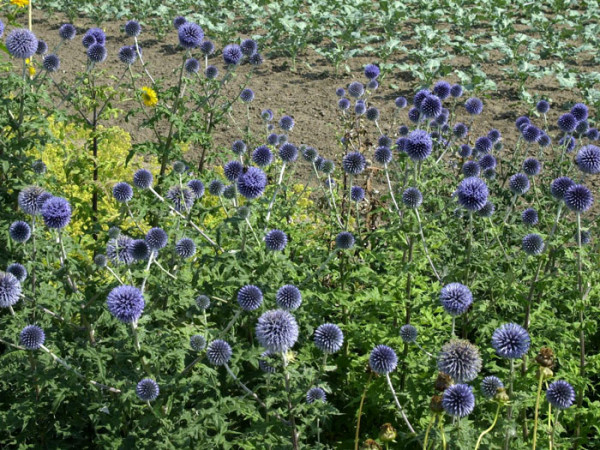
(490,386)
(419,145)
(344,240)
(510,341)
(122,192)
(147,390)
(32,337)
(277,330)
(252,183)
(56,212)
(126,303)
(588,159)
(67,32)
(276,240)
(460,359)
(329,338)
(218,352)
(412,198)
(197,342)
(560,394)
(289,297)
(472,194)
(578,198)
(19,231)
(185,248)
(18,270)
(456,298)
(21,43)
(10,290)
(250,297)
(458,400)
(190,35)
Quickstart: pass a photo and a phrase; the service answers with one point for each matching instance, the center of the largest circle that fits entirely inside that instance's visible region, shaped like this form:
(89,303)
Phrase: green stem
(360,408)
(431,422)
(389,382)
(292,419)
(491,427)
(435,272)
(510,411)
(537,408)
(441,425)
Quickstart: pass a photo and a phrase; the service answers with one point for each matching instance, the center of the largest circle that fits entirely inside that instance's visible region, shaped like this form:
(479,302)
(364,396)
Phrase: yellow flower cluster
(20,3)
(149,96)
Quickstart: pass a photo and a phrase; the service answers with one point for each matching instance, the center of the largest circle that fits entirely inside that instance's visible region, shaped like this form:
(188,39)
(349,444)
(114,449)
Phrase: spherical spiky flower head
(533,244)
(19,231)
(582,128)
(472,193)
(122,192)
(532,167)
(487,210)
(494,135)
(96,53)
(156,238)
(252,183)
(127,54)
(181,197)
(190,35)
(579,111)
(327,166)
(465,151)
(216,188)
(578,198)
(139,250)
(357,194)
(21,43)
(531,133)
(487,162)
(232,55)
(211,72)
(143,179)
(315,394)
(39,167)
(354,163)
(56,212)
(265,362)
(344,240)
(419,145)
(542,106)
(67,31)
(458,400)
(238,147)
(262,156)
(460,359)
(288,153)
(510,341)
(408,333)
(197,342)
(567,122)
(147,390)
(431,107)
(530,217)
(544,140)
(356,89)
(471,169)
(247,95)
(371,71)
(28,199)
(560,394)
(126,303)
(249,47)
(456,90)
(372,114)
(400,102)
(18,270)
(519,184)
(51,63)
(233,169)
(202,302)
(483,144)
(289,297)
(100,260)
(117,249)
(276,240)
(588,159)
(10,290)
(560,186)
(229,192)
(383,155)
(329,338)
(412,197)
(456,298)
(32,337)
(197,187)
(185,247)
(593,134)
(310,154)
(218,352)
(442,89)
(277,330)
(133,28)
(490,385)
(383,360)
(474,106)
(250,297)
(192,66)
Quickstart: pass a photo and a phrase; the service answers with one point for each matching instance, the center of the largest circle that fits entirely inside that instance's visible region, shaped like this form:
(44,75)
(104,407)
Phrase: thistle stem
(537,408)
(443,434)
(491,427)
(509,411)
(389,382)
(510,207)
(272,202)
(435,272)
(292,419)
(360,408)
(431,422)
(389,183)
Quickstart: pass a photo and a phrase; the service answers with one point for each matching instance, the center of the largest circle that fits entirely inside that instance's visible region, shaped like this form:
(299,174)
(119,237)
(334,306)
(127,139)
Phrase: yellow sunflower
(20,3)
(149,96)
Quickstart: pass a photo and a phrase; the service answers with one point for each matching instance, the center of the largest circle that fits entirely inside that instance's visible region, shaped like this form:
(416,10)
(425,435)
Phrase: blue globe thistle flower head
(442,89)
(127,55)
(568,142)
(357,194)
(414,115)
(143,179)
(465,151)
(441,121)
(567,122)
(216,188)
(329,338)
(531,133)
(185,248)
(51,63)
(582,127)
(560,394)
(471,169)
(344,240)
(266,361)
(532,167)
(419,145)
(419,97)
(519,184)
(197,342)
(474,106)
(98,35)
(560,186)
(356,89)
(383,155)
(289,297)
(114,232)
(21,43)
(10,289)
(490,386)
(192,66)
(314,394)
(157,239)
(354,163)
(126,303)
(494,135)
(218,352)
(266,115)
(247,95)
(207,47)
(232,55)
(190,35)
(489,173)
(456,91)
(460,359)
(372,85)
(262,156)
(211,72)
(286,123)
(56,212)
(277,330)
(483,144)
(19,231)
(139,250)
(100,260)
(310,154)
(412,198)
(249,47)
(147,390)
(401,144)
(400,102)
(593,134)
(67,31)
(510,341)
(586,238)
(32,337)
(384,141)
(238,147)
(408,333)
(578,198)
(371,71)
(250,297)
(487,210)
(122,192)
(460,130)
(579,111)
(458,400)
(542,106)
(197,188)
(487,161)
(181,197)
(276,240)
(256,59)
(360,108)
(117,249)
(133,28)
(533,244)
(282,139)
(96,53)
(28,200)
(340,92)
(456,298)
(202,302)
(383,359)
(42,47)
(18,270)
(472,193)
(530,217)
(179,167)
(87,40)
(178,21)
(232,170)
(588,159)
(288,153)
(431,107)
(372,114)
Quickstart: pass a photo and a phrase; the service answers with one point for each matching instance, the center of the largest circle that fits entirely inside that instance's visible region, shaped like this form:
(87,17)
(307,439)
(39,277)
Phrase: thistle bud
(442,382)
(370,444)
(435,405)
(545,357)
(545,373)
(501,396)
(387,433)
